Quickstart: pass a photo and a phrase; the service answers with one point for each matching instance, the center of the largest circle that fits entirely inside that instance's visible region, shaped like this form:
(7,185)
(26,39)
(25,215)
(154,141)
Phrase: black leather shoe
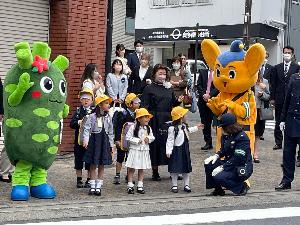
(283,186)
(244,190)
(218,191)
(277,147)
(262,138)
(140,190)
(156,177)
(174,189)
(298,163)
(207,147)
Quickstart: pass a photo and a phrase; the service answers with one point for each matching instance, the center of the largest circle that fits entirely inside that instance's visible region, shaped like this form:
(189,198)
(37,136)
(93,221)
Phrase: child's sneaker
(140,190)
(117,179)
(87,184)
(92,191)
(130,190)
(98,191)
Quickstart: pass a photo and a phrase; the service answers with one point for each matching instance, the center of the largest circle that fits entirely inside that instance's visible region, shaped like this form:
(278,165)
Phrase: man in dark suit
(280,77)
(266,68)
(206,114)
(290,123)
(133,59)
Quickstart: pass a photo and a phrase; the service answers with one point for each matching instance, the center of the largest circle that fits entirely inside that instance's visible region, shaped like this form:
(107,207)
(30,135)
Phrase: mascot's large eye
(62,87)
(232,74)
(46,84)
(218,72)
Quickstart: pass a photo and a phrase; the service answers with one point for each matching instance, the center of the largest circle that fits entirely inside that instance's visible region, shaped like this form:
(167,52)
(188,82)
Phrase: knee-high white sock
(99,183)
(174,177)
(130,184)
(186,179)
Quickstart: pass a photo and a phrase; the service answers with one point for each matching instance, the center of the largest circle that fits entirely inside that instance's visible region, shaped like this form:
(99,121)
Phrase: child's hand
(146,140)
(200,126)
(113,150)
(168,155)
(79,122)
(85,144)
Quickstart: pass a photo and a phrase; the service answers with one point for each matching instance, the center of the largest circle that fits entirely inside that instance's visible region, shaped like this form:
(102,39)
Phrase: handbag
(266,114)
(193,108)
(187,99)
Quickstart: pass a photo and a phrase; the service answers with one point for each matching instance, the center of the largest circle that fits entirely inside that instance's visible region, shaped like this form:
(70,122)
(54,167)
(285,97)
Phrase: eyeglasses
(183,58)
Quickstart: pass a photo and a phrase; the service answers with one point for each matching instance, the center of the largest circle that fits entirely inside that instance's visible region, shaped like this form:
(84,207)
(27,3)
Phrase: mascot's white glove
(217,170)
(282,126)
(211,159)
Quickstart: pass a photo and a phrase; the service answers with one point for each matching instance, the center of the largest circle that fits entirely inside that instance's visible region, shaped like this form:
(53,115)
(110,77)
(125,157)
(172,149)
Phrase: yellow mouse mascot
(235,72)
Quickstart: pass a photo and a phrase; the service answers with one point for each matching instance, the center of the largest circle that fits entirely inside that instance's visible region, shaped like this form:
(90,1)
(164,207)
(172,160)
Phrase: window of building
(130,17)
(297,2)
(177,3)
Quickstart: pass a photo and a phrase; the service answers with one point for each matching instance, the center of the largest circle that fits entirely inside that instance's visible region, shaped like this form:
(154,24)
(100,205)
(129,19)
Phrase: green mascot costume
(34,106)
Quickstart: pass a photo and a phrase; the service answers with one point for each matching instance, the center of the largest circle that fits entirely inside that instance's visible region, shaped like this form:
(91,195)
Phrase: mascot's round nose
(224,78)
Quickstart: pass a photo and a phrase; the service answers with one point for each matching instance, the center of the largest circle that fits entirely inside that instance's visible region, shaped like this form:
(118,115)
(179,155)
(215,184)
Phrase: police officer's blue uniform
(235,148)
(291,116)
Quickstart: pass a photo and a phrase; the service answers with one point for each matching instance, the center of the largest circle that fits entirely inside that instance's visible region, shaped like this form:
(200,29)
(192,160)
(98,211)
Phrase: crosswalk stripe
(211,217)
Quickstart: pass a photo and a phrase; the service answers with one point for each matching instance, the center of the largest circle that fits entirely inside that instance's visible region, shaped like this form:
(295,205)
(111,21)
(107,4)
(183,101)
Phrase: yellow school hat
(178,112)
(142,112)
(102,98)
(130,97)
(86,91)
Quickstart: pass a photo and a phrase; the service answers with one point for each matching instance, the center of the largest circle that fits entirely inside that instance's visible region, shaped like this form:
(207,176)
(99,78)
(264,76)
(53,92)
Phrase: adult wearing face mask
(178,77)
(280,77)
(141,76)
(133,59)
(159,99)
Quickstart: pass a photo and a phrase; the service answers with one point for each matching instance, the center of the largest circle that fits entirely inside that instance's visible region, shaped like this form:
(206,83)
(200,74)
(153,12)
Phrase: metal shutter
(20,20)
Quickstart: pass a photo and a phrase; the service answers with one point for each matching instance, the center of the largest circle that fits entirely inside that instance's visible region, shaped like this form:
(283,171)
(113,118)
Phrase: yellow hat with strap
(102,98)
(142,112)
(86,91)
(178,112)
(130,97)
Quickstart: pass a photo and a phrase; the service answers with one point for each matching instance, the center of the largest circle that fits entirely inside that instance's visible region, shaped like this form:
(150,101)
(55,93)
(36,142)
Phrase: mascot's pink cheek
(36,94)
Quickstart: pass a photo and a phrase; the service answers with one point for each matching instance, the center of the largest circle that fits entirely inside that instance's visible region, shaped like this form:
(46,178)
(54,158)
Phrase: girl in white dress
(139,137)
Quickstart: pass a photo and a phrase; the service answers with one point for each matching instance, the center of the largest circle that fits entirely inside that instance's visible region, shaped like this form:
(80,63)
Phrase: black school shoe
(140,190)
(174,189)
(156,177)
(92,191)
(79,184)
(87,184)
(98,191)
(130,190)
(117,180)
(187,189)
(218,192)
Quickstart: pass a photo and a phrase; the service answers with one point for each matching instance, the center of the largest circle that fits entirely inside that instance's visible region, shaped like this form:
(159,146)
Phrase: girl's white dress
(139,156)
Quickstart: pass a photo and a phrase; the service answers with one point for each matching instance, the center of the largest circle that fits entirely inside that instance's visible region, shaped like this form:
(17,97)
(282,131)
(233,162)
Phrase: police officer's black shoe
(277,147)
(244,190)
(283,186)
(207,147)
(218,191)
(156,177)
(298,163)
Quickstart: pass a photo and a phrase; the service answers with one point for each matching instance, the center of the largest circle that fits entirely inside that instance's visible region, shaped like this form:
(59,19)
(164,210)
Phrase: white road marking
(211,217)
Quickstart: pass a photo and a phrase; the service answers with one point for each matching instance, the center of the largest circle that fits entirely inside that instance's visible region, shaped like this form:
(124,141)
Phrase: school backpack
(124,145)
(81,128)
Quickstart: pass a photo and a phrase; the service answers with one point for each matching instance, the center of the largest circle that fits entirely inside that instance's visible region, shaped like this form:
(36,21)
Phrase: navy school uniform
(235,148)
(79,151)
(98,131)
(291,116)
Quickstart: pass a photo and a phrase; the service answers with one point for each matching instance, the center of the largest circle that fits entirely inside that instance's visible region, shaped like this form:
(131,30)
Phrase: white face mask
(265,61)
(176,66)
(139,49)
(287,57)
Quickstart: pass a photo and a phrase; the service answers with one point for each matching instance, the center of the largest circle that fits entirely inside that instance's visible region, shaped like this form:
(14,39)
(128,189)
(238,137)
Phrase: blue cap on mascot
(236,53)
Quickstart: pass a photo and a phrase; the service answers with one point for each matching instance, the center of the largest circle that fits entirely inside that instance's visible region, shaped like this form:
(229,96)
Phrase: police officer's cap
(227,119)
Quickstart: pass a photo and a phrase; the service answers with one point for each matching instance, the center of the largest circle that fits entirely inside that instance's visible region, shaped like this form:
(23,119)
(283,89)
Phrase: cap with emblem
(227,119)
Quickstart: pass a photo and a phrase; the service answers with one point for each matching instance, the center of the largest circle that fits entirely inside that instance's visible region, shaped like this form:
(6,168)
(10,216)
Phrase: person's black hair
(88,72)
(137,128)
(115,62)
(138,42)
(233,128)
(288,47)
(118,48)
(181,54)
(160,67)
(99,112)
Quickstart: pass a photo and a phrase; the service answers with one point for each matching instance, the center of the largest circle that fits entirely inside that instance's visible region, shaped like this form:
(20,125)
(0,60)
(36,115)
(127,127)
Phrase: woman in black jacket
(141,76)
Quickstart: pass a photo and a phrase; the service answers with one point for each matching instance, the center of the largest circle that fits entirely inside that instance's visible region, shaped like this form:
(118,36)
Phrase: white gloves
(217,170)
(282,126)
(211,159)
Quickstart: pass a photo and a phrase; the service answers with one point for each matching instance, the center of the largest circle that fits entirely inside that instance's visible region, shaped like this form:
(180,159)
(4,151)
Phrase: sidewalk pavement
(61,175)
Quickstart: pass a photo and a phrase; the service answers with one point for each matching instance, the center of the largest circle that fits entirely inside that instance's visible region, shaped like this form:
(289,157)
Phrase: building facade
(170,25)
(74,28)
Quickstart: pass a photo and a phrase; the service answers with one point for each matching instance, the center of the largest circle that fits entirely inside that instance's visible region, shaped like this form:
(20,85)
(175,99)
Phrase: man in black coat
(280,77)
(206,114)
(133,59)
(290,123)
(266,69)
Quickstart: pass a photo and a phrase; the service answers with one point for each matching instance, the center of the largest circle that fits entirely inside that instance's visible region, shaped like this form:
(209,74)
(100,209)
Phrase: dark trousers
(227,179)
(277,132)
(206,117)
(289,155)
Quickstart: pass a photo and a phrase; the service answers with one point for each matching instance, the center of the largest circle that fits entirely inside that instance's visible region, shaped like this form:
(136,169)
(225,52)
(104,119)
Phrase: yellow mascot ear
(210,51)
(255,57)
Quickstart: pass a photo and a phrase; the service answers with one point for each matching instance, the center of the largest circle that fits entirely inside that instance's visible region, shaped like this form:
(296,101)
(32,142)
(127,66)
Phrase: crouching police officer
(237,166)
(290,124)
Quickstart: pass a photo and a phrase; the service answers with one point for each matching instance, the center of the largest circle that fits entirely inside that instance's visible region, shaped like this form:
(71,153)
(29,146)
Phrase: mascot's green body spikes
(34,106)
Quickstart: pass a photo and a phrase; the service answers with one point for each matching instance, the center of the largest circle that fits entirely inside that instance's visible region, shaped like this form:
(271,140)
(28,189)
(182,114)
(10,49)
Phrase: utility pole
(247,22)
(109,36)
(196,52)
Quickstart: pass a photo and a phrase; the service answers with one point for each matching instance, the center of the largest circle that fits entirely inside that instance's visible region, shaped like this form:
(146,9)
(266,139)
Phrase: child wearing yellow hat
(139,137)
(98,139)
(177,148)
(86,108)
(122,119)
